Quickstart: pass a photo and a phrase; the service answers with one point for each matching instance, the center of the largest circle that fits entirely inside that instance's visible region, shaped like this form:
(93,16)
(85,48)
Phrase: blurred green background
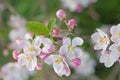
(103,12)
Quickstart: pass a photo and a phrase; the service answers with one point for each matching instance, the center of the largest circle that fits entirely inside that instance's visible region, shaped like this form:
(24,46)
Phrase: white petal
(113,30)
(31,65)
(49,60)
(58,68)
(21,59)
(109,64)
(95,36)
(102,58)
(66,41)
(63,50)
(113,47)
(47,41)
(77,41)
(101,33)
(77,53)
(98,46)
(37,41)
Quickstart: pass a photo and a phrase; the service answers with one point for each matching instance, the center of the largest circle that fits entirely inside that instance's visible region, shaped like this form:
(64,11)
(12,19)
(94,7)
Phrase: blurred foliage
(103,12)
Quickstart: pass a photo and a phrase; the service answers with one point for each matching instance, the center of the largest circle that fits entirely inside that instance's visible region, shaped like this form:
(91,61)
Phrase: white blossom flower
(16,34)
(101,40)
(71,4)
(59,65)
(108,59)
(115,48)
(87,66)
(70,48)
(46,46)
(17,21)
(12,71)
(115,31)
(27,60)
(31,47)
(74,4)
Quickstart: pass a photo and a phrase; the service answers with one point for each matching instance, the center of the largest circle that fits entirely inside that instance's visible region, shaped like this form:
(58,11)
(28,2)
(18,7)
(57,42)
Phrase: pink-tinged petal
(43,55)
(63,50)
(29,36)
(21,59)
(31,65)
(77,41)
(118,60)
(51,48)
(95,36)
(98,46)
(58,68)
(66,69)
(66,41)
(50,59)
(39,66)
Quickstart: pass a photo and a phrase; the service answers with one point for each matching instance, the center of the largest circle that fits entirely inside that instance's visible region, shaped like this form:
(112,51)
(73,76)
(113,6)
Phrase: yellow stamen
(118,48)
(71,48)
(118,34)
(103,40)
(28,58)
(31,49)
(58,61)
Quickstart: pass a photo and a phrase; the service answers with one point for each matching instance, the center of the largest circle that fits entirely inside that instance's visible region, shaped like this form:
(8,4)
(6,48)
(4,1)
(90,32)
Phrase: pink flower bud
(76,62)
(72,23)
(61,14)
(79,8)
(56,32)
(15,54)
(39,66)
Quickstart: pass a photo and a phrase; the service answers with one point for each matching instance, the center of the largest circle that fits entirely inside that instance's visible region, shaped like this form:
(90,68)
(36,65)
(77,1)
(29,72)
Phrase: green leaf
(51,24)
(37,28)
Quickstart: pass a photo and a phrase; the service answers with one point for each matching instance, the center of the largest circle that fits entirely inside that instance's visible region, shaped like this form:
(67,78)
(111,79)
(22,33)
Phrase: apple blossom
(108,59)
(17,21)
(27,60)
(115,31)
(59,65)
(101,40)
(70,48)
(12,71)
(15,54)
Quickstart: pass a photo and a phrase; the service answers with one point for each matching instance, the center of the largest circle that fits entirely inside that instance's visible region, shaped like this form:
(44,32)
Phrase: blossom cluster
(59,53)
(108,44)
(12,71)
(77,5)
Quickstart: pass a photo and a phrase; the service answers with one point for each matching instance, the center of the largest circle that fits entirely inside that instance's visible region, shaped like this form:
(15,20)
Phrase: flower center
(58,60)
(28,58)
(108,58)
(118,48)
(118,34)
(102,40)
(31,49)
(71,48)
